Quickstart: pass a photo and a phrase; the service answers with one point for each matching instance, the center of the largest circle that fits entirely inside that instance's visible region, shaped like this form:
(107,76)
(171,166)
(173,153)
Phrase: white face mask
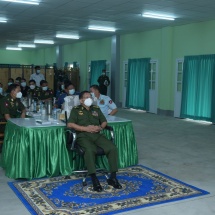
(9,83)
(45,88)
(32,87)
(71,92)
(1,90)
(62,87)
(38,71)
(103,73)
(19,95)
(88,102)
(93,95)
(23,84)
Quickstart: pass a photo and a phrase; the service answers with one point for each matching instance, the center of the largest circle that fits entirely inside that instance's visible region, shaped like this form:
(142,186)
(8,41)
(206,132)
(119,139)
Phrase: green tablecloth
(41,152)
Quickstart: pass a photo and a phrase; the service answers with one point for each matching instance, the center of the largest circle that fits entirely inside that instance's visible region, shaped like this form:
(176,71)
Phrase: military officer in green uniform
(104,82)
(11,106)
(88,121)
(45,92)
(34,91)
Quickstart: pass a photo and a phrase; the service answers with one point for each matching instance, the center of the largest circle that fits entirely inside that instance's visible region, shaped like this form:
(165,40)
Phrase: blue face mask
(45,88)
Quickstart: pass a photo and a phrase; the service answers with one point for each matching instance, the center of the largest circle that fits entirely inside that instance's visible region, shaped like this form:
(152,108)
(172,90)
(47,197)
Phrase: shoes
(96,185)
(114,182)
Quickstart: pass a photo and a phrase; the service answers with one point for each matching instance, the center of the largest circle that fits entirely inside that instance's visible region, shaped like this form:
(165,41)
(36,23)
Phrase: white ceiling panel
(27,22)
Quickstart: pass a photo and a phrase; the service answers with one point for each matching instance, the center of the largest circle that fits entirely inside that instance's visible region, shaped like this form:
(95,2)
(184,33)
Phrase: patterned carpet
(142,187)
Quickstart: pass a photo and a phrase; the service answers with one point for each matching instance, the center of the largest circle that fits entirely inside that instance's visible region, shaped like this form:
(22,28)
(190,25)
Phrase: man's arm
(23,113)
(7,116)
(113,112)
(89,128)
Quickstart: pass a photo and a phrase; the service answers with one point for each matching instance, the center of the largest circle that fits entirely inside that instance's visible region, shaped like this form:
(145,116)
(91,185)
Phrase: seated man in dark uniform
(45,92)
(11,106)
(88,121)
(33,91)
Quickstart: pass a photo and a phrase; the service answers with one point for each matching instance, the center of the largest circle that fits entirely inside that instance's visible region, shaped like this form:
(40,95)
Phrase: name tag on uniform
(94,113)
(80,113)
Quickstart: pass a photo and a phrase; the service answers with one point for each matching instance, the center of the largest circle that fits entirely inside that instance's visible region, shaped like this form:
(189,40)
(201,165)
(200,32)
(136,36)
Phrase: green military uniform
(35,93)
(89,141)
(103,81)
(46,94)
(11,106)
(1,96)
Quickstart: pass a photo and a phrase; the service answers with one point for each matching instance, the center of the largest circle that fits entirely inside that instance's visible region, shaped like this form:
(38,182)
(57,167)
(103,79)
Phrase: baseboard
(165,112)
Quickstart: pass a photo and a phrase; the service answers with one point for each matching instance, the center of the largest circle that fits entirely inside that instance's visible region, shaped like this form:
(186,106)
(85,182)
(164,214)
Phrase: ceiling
(29,22)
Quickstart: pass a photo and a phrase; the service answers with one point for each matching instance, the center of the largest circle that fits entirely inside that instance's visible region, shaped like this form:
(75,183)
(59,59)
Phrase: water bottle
(54,113)
(35,106)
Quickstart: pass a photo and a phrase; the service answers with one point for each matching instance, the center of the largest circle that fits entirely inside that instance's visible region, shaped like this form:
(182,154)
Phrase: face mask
(88,102)
(93,95)
(45,88)
(38,71)
(62,87)
(71,92)
(19,95)
(1,90)
(32,87)
(103,73)
(9,83)
(23,84)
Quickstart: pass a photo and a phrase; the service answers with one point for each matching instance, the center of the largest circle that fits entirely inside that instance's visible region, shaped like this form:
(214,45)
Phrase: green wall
(164,45)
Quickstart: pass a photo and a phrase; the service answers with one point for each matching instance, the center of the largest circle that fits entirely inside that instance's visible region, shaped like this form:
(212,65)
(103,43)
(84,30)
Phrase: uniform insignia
(110,101)
(80,113)
(102,102)
(6,104)
(12,104)
(95,106)
(94,113)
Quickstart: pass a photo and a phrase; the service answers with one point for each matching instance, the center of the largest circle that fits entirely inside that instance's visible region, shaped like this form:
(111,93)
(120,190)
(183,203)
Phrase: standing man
(106,104)
(104,82)
(37,76)
(11,106)
(88,121)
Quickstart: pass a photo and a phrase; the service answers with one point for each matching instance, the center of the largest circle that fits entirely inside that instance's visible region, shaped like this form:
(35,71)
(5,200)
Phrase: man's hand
(93,129)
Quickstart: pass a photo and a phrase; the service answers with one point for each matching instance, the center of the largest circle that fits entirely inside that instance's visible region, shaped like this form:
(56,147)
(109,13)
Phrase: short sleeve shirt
(83,117)
(105,103)
(11,106)
(46,94)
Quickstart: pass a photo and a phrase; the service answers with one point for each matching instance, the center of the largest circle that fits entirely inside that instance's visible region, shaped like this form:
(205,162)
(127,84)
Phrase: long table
(33,150)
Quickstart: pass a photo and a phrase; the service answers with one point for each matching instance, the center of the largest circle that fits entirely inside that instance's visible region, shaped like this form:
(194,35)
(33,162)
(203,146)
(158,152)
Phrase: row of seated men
(44,93)
(87,119)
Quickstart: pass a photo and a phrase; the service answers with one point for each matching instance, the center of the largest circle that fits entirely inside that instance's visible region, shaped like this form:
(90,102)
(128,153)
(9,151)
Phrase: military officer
(104,82)
(106,104)
(88,121)
(34,91)
(11,106)
(45,92)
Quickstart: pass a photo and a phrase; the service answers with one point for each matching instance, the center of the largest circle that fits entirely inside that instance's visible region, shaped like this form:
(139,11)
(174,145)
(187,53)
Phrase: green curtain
(137,95)
(198,90)
(96,70)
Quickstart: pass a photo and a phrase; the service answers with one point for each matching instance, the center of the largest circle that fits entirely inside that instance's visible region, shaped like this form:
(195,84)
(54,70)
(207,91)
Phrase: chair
(72,145)
(2,128)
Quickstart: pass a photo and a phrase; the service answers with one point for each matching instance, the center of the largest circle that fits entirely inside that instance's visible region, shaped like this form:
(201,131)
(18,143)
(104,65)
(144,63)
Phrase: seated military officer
(11,106)
(106,104)
(68,91)
(45,92)
(1,91)
(34,91)
(88,121)
(24,87)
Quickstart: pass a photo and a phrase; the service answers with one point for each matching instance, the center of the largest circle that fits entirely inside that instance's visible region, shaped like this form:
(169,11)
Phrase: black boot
(113,181)
(96,185)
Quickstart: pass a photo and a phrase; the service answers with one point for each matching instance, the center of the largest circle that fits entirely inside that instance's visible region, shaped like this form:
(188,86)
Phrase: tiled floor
(181,149)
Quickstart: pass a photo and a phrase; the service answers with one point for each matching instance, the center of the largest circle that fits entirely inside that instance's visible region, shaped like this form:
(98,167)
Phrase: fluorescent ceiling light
(14,48)
(44,41)
(98,28)
(27,45)
(3,20)
(67,36)
(157,16)
(24,2)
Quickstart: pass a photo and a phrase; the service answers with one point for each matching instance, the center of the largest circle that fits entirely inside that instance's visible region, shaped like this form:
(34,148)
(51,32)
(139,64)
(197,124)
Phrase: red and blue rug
(141,187)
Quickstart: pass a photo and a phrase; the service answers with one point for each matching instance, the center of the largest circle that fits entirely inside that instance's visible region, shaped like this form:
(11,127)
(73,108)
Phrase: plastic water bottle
(54,114)
(35,106)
